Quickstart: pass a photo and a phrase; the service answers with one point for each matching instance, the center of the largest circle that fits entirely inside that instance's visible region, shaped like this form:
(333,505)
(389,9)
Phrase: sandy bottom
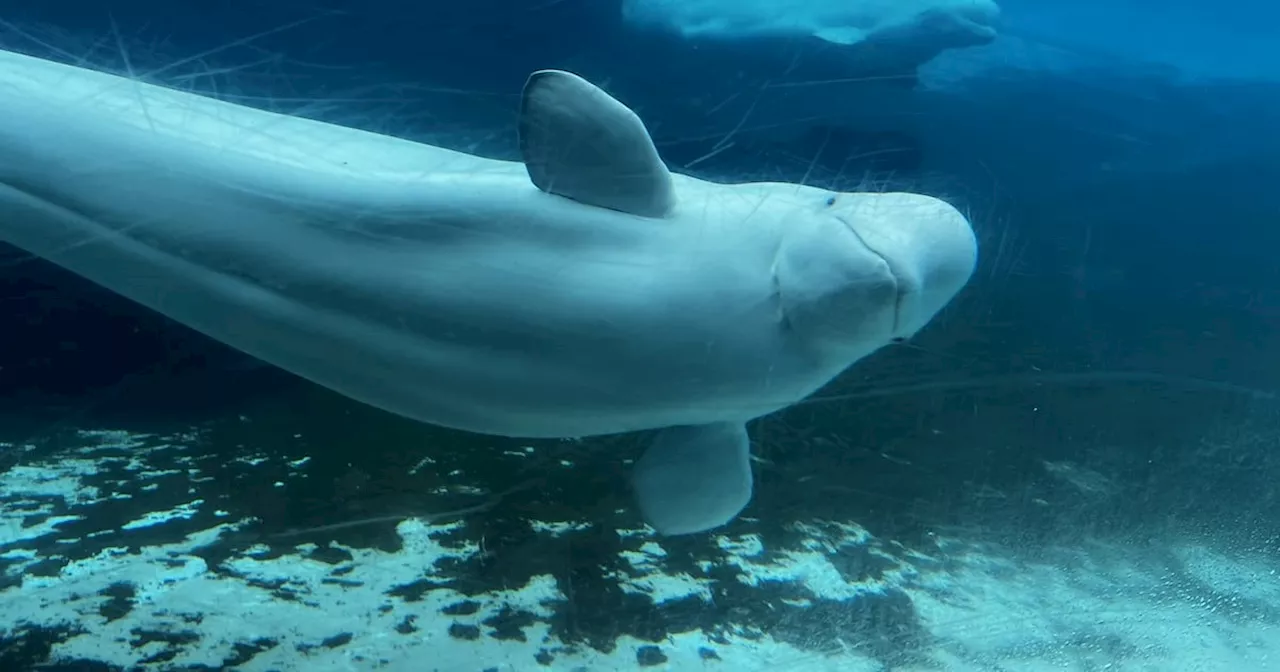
(159,591)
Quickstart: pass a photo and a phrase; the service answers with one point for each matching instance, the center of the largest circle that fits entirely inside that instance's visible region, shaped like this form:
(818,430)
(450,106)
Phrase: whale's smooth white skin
(585,291)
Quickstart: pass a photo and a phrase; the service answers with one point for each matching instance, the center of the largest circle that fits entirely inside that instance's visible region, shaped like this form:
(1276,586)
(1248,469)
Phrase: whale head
(873,268)
(928,245)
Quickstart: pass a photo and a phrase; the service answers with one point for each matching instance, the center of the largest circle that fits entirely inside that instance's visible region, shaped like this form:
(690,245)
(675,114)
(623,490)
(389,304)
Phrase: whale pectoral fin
(581,143)
(694,478)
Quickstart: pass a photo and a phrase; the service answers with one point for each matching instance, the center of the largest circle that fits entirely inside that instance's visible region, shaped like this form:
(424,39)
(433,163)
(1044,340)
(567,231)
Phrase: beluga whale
(584,290)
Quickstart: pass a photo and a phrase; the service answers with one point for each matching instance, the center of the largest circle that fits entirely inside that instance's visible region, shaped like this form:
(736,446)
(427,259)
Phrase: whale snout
(928,244)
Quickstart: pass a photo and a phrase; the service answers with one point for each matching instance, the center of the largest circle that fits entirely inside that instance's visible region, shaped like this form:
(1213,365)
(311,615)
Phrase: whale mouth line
(899,287)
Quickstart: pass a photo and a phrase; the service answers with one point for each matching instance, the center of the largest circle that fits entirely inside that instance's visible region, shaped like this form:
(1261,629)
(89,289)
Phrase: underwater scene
(603,335)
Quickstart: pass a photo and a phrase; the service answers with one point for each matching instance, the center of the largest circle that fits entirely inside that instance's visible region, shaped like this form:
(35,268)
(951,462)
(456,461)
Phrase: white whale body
(584,291)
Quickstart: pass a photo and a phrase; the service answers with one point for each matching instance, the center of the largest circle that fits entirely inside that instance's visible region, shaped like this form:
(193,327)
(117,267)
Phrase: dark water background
(1124,316)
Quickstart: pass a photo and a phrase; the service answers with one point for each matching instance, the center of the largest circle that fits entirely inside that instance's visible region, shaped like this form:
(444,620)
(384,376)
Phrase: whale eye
(831,201)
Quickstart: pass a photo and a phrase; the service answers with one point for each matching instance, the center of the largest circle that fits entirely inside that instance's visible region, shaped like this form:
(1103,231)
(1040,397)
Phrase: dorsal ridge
(581,143)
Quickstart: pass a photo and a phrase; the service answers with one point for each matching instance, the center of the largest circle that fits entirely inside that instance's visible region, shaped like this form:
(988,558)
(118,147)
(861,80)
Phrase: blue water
(1097,412)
